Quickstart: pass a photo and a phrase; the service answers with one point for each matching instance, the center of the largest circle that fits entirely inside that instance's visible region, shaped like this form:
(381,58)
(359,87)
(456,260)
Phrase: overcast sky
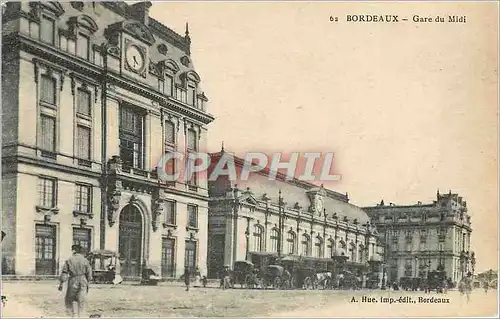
(407,108)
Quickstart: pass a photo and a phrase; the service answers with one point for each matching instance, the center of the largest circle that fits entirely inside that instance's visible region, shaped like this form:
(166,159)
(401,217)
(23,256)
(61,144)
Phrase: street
(41,298)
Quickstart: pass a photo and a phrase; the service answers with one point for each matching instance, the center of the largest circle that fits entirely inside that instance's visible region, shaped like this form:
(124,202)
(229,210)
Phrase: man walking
(78,273)
(187,277)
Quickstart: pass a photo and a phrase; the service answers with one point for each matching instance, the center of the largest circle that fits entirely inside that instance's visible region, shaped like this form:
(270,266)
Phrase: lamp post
(383,275)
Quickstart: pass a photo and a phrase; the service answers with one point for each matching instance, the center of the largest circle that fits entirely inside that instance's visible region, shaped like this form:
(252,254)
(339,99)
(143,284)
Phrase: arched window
(330,248)
(291,238)
(352,250)
(274,240)
(361,250)
(258,238)
(306,244)
(318,247)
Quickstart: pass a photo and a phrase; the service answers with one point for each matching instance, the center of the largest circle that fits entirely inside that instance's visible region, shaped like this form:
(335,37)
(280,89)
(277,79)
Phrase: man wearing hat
(78,273)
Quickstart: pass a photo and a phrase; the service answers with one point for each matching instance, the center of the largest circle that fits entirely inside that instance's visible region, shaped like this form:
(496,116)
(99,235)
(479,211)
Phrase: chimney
(140,11)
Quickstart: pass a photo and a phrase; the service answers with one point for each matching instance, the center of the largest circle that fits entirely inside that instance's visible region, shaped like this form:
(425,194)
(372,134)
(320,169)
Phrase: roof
(294,192)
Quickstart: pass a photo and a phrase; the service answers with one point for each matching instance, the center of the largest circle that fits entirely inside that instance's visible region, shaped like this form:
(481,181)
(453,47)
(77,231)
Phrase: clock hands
(135,61)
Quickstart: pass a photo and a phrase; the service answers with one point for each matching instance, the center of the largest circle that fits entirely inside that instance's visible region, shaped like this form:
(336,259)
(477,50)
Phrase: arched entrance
(130,241)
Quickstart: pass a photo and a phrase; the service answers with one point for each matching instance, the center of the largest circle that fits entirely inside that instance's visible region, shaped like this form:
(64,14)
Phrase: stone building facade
(263,220)
(425,237)
(93,95)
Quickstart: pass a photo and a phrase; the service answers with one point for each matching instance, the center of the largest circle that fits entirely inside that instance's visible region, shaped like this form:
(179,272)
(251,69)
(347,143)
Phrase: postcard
(250,159)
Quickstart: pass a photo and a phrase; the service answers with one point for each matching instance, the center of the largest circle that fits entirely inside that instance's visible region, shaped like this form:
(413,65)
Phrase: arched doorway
(130,241)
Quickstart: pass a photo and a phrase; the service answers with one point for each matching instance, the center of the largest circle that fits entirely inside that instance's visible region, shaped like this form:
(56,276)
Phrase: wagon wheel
(277,283)
(315,284)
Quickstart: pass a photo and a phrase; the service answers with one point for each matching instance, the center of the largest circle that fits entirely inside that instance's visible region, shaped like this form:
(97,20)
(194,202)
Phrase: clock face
(135,59)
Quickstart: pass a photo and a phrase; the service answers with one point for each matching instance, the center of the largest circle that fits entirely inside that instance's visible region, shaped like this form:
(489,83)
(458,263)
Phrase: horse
(324,279)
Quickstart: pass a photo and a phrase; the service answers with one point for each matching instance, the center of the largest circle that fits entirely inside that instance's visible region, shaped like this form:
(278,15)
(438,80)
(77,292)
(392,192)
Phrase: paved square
(41,298)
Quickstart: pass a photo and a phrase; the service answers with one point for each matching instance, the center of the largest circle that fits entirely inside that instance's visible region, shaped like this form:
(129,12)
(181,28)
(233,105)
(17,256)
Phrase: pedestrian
(445,286)
(187,277)
(465,286)
(78,274)
(197,277)
(226,278)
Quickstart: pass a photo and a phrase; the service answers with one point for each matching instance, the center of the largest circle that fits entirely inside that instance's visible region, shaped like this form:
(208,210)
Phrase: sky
(408,108)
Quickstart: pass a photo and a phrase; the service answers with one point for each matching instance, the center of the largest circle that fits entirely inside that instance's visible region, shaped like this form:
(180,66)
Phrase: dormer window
(47,29)
(190,82)
(191,94)
(201,100)
(82,46)
(171,68)
(80,30)
(180,94)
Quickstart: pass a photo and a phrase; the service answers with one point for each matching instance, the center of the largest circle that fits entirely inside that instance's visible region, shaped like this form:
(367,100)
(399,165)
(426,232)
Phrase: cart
(276,277)
(105,267)
(245,274)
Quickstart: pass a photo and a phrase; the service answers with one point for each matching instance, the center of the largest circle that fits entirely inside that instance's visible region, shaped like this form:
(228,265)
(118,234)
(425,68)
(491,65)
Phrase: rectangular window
(71,46)
(191,98)
(168,257)
(82,237)
(200,104)
(193,216)
(83,199)
(170,213)
(82,46)
(83,137)
(83,102)
(181,95)
(48,90)
(131,137)
(48,133)
(170,164)
(178,93)
(47,30)
(47,192)
(161,86)
(190,255)
(191,140)
(169,133)
(168,85)
(45,250)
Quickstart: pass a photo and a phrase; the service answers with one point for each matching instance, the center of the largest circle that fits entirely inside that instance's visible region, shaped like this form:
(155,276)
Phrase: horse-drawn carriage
(305,278)
(436,280)
(276,277)
(105,266)
(245,274)
(348,280)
